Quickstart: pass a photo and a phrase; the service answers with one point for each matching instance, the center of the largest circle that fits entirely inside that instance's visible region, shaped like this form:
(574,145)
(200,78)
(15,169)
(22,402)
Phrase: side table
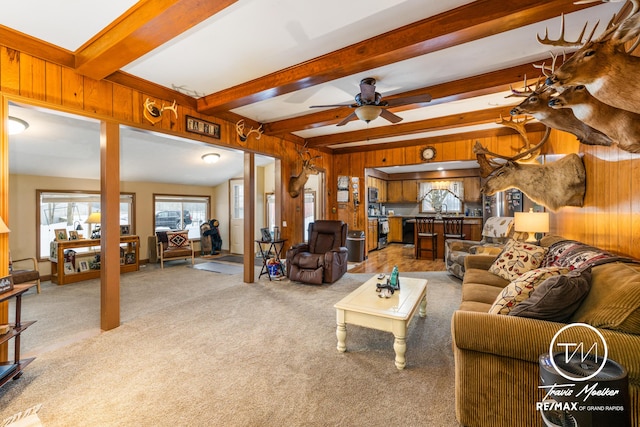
(266,247)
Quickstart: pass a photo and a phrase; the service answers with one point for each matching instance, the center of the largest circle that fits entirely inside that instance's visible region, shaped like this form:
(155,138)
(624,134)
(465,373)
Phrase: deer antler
(240,131)
(527,90)
(562,41)
(548,71)
(479,149)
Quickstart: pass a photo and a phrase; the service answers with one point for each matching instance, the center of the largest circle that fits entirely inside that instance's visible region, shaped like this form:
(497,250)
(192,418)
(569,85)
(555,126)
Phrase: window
(309,211)
(180,213)
(451,192)
(70,210)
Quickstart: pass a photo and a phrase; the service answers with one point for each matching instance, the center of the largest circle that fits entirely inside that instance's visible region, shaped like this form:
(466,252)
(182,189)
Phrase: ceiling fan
(369,104)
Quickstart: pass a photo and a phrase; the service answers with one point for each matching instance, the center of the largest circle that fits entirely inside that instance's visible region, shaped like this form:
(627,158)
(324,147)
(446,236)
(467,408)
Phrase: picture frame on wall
(202,127)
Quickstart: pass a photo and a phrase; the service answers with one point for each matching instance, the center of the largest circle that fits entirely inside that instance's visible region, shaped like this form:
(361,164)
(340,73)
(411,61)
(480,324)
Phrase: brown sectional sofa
(497,356)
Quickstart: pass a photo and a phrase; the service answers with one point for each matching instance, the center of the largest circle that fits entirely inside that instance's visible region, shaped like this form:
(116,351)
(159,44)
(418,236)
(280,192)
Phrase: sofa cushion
(477,275)
(497,229)
(178,239)
(517,258)
(557,298)
(520,288)
(577,255)
(614,299)
(308,260)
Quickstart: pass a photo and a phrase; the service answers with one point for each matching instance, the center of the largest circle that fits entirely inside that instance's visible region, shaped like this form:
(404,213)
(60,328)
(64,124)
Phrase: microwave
(373,195)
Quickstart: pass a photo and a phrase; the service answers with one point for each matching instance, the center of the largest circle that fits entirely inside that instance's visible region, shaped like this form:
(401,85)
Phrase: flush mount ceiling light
(211,157)
(16,125)
(368,112)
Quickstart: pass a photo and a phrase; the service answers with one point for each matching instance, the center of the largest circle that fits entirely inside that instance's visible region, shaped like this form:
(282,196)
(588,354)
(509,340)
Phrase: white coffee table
(363,307)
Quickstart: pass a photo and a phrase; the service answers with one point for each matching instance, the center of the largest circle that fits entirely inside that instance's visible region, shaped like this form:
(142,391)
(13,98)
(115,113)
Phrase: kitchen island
(472,228)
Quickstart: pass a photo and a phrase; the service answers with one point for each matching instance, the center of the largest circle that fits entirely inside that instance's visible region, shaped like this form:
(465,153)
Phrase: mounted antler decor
(241,134)
(154,114)
(552,185)
(296,183)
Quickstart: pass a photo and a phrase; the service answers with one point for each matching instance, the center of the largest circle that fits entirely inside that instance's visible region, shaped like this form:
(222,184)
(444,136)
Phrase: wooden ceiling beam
(144,27)
(439,123)
(467,23)
(483,84)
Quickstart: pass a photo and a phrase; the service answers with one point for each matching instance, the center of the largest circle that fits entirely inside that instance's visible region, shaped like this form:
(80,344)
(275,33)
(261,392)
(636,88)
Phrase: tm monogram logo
(595,350)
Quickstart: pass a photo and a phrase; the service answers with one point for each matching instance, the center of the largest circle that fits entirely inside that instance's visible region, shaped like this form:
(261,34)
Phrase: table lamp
(3,227)
(94,218)
(531,223)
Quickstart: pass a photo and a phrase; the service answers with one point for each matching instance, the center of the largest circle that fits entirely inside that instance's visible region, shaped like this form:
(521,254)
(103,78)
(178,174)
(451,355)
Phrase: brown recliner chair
(324,258)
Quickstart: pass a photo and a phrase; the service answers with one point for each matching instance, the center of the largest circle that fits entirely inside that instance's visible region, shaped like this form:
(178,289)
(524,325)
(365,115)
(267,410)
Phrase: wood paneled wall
(609,219)
(30,80)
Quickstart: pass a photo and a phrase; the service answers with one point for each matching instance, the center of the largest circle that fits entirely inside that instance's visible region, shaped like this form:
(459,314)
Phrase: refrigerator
(505,203)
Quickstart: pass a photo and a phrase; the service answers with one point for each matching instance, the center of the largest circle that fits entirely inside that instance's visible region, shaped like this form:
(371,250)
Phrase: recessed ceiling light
(16,125)
(211,157)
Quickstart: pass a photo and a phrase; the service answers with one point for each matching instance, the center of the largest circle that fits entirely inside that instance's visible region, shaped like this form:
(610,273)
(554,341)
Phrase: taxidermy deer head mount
(240,131)
(154,114)
(296,183)
(553,185)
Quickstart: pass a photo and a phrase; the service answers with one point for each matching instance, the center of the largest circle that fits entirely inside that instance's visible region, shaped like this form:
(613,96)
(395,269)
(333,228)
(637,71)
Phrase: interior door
(236,215)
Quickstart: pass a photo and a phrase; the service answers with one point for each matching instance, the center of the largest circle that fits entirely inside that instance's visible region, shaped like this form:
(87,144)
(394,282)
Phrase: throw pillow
(517,258)
(557,298)
(521,288)
(178,239)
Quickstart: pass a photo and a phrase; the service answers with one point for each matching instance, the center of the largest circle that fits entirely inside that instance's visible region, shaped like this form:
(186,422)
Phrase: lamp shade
(368,112)
(3,227)
(531,222)
(94,218)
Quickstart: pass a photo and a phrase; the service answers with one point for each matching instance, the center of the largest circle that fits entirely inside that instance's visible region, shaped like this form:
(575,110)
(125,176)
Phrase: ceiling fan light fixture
(16,125)
(211,158)
(368,112)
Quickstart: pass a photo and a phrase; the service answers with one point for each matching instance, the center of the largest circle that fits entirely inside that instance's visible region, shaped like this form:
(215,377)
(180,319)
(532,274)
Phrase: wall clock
(428,153)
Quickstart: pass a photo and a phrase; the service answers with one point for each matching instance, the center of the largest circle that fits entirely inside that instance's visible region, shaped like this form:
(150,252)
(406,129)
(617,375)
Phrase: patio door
(236,215)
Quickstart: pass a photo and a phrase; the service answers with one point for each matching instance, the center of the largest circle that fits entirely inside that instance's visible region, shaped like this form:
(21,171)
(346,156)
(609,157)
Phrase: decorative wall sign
(203,127)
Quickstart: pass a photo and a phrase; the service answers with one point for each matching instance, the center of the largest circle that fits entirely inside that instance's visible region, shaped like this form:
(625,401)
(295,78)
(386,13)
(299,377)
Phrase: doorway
(236,215)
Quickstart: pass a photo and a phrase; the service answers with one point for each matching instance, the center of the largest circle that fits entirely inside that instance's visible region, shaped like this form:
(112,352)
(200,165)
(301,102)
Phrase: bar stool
(425,230)
(452,227)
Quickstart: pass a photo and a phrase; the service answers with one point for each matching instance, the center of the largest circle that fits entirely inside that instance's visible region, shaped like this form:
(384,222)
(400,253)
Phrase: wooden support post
(249,216)
(110,225)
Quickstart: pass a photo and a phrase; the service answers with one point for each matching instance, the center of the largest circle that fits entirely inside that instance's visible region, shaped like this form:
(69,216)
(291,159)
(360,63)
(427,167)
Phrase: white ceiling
(251,39)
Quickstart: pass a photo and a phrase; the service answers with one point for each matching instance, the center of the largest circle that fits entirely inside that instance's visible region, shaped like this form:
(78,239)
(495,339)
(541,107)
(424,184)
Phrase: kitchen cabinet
(372,234)
(395,229)
(405,191)
(410,191)
(472,193)
(381,185)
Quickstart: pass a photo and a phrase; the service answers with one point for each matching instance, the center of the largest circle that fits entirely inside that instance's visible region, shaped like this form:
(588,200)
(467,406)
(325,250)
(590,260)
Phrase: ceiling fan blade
(368,90)
(333,105)
(347,119)
(407,100)
(386,114)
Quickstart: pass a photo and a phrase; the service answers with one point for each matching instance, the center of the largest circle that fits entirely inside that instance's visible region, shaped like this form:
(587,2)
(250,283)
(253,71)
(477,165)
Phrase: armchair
(174,245)
(496,231)
(26,274)
(324,258)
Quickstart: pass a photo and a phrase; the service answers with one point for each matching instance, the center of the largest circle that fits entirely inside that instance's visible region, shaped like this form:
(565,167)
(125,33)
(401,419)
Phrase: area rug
(218,267)
(238,259)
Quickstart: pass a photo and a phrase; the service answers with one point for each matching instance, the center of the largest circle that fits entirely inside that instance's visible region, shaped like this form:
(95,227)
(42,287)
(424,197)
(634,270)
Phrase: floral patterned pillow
(521,288)
(517,258)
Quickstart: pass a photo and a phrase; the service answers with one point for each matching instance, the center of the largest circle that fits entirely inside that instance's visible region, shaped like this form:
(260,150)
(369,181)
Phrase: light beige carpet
(197,348)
